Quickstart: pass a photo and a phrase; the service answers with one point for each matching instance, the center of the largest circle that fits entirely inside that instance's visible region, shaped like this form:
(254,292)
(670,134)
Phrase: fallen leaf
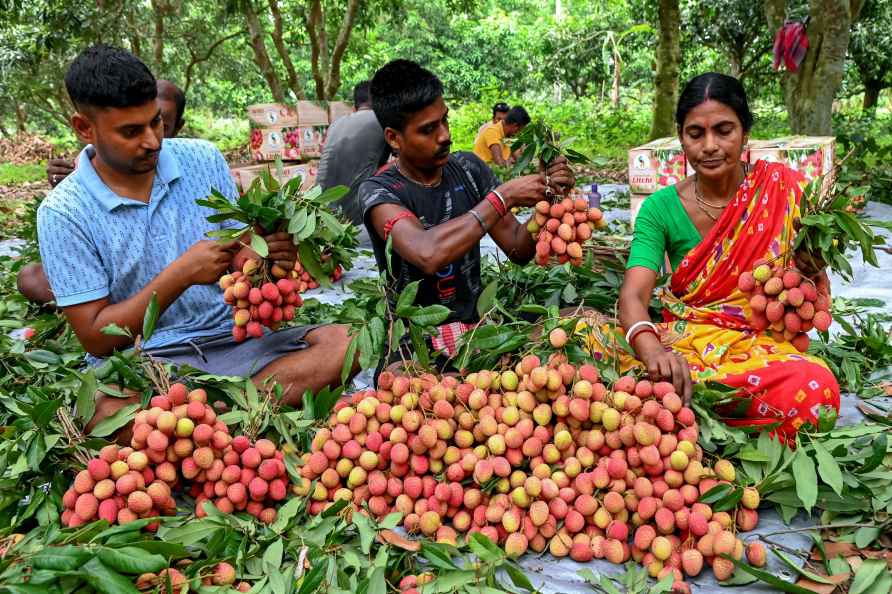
(837,579)
(392,538)
(846,549)
(887,555)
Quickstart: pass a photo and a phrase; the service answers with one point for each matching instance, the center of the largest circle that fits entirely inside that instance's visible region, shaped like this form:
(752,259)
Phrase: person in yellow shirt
(499,111)
(490,144)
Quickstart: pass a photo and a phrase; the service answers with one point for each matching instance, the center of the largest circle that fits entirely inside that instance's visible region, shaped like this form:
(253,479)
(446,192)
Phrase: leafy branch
(323,241)
(828,229)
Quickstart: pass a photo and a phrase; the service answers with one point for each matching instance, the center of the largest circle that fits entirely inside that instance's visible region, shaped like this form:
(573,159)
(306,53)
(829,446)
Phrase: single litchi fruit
(86,506)
(692,562)
(755,554)
(224,574)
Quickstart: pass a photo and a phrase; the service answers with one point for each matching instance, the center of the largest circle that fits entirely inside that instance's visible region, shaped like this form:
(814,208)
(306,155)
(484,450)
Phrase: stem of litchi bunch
(73,435)
(778,545)
(815,528)
(154,370)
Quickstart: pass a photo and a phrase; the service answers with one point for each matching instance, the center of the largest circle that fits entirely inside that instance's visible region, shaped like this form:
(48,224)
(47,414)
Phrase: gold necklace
(702,203)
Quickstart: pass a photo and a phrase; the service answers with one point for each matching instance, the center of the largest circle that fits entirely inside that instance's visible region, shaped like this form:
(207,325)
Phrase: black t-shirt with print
(466,181)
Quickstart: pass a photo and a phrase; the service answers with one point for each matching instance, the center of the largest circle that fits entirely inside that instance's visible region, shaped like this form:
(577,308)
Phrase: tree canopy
(227,55)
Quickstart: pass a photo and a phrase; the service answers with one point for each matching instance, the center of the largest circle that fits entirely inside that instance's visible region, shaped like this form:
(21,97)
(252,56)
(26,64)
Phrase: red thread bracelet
(388,226)
(496,204)
(642,331)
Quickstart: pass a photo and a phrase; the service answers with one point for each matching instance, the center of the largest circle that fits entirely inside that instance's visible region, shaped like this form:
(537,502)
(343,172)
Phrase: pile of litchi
(538,457)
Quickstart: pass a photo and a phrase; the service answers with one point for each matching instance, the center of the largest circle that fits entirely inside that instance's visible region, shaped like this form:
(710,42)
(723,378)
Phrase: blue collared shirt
(96,244)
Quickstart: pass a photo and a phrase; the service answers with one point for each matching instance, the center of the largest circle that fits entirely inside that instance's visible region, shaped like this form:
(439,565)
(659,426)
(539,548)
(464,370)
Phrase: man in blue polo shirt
(125,225)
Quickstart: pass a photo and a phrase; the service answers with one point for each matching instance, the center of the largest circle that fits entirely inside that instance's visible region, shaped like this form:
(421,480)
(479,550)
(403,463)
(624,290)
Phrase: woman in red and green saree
(713,226)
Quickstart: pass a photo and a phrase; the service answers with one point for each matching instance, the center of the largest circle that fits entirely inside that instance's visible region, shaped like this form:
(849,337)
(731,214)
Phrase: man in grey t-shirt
(354,150)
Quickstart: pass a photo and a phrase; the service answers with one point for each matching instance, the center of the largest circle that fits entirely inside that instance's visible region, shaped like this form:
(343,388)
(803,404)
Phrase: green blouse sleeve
(649,239)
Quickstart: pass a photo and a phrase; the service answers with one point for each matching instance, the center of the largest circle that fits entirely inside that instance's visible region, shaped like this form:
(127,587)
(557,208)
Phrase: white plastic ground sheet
(560,575)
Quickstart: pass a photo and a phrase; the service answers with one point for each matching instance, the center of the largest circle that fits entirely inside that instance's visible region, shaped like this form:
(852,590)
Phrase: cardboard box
(655,165)
(635,202)
(269,144)
(277,115)
(310,113)
(660,163)
(244,176)
(813,156)
(311,139)
(274,115)
(338,109)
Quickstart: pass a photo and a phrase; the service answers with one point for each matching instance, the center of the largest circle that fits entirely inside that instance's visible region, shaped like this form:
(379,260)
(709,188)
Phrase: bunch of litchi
(257,303)
(562,228)
(120,487)
(785,302)
(178,443)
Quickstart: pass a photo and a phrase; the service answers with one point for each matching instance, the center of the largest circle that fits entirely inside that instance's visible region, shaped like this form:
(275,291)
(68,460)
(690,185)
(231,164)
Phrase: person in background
(125,227)
(354,150)
(490,145)
(436,205)
(31,279)
(499,112)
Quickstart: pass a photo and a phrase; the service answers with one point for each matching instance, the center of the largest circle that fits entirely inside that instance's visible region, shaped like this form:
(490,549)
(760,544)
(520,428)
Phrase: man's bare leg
(313,368)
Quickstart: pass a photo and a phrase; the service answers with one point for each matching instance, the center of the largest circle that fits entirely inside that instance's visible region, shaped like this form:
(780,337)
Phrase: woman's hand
(663,365)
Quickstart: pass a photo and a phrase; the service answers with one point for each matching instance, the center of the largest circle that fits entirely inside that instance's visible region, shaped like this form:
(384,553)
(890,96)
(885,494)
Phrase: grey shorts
(221,355)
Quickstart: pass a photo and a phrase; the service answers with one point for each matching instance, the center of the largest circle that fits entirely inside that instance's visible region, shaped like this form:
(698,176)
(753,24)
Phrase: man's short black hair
(500,108)
(401,88)
(517,115)
(107,76)
(362,93)
(169,91)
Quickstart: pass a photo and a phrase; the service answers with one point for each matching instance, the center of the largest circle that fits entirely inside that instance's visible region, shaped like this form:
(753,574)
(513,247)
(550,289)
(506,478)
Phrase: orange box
(310,113)
(278,115)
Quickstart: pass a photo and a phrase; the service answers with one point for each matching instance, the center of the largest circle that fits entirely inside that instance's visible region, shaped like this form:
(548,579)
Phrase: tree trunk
(735,65)
(158,37)
(318,46)
(809,93)
(20,119)
(279,42)
(343,39)
(325,63)
(617,78)
(872,90)
(668,65)
(261,56)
